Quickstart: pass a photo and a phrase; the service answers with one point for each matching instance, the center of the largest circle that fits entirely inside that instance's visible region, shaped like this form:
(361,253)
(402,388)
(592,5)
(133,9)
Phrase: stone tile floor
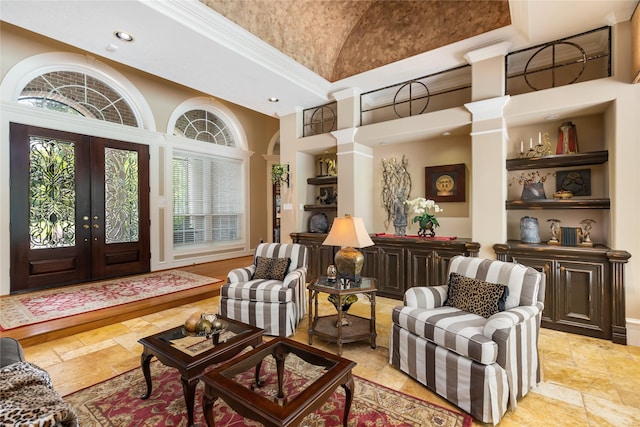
(586,381)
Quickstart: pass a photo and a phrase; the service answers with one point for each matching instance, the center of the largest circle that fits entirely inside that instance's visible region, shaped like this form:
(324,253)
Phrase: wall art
(445,183)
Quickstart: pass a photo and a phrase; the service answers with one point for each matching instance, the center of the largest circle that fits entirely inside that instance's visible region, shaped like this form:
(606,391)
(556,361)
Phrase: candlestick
(530,143)
(521,146)
(539,138)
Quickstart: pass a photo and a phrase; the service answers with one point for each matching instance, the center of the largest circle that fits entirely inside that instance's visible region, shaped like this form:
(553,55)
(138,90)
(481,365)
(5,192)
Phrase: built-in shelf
(559,204)
(320,207)
(564,160)
(320,180)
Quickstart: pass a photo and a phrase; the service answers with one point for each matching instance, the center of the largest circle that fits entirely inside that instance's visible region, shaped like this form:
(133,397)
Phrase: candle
(522,146)
(539,138)
(530,143)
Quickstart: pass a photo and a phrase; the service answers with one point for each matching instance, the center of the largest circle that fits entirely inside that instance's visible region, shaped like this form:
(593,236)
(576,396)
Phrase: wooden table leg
(189,390)
(145,360)
(348,394)
(207,406)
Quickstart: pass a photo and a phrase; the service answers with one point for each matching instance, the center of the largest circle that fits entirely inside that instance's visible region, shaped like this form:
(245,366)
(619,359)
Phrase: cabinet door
(392,264)
(550,313)
(370,267)
(420,267)
(321,258)
(582,297)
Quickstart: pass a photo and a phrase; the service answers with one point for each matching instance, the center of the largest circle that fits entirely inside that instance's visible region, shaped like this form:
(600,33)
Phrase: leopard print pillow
(476,296)
(271,268)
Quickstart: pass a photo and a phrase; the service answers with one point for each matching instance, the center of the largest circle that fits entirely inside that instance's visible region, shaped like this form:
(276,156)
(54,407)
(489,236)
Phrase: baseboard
(633,332)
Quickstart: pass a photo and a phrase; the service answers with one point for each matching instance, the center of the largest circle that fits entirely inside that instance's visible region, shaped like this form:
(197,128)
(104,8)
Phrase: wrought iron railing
(438,91)
(319,120)
(574,59)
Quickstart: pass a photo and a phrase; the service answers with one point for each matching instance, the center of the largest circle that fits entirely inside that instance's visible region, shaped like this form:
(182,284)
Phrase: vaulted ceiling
(338,39)
(304,52)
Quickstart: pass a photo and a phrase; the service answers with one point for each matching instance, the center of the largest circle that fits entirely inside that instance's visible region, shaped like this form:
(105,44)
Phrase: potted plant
(278,172)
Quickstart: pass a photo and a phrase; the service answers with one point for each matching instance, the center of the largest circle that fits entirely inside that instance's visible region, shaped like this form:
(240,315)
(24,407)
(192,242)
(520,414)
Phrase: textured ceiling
(338,39)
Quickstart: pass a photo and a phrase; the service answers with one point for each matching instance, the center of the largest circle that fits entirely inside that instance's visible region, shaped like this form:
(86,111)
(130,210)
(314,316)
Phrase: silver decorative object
(586,232)
(555,225)
(529,231)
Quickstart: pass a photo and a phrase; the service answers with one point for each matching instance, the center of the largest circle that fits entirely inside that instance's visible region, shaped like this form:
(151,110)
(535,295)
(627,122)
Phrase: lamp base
(349,262)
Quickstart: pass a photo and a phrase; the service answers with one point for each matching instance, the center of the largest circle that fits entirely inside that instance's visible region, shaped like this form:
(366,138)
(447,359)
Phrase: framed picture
(445,183)
(327,196)
(577,181)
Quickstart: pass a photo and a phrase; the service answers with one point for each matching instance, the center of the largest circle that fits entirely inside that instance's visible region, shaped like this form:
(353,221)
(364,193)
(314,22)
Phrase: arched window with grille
(79,94)
(207,179)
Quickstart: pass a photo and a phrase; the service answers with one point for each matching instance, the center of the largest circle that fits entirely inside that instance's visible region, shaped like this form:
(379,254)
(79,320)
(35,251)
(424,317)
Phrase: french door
(79,208)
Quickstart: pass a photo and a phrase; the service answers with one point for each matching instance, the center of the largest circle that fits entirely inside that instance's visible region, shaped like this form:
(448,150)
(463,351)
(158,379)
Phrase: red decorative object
(567,139)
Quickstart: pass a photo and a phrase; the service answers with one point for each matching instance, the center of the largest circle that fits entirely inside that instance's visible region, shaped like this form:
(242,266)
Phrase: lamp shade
(348,231)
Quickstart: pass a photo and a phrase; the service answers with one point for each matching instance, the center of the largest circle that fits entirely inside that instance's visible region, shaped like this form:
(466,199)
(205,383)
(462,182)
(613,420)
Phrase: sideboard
(397,262)
(584,286)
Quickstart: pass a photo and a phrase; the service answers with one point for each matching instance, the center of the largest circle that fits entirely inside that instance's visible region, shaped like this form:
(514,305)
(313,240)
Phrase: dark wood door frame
(90,258)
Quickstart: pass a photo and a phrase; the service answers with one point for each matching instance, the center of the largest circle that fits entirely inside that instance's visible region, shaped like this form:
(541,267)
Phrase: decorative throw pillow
(476,296)
(271,268)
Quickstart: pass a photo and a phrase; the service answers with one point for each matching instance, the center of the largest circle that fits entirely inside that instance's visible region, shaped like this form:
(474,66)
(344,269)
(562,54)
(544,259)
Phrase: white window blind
(207,201)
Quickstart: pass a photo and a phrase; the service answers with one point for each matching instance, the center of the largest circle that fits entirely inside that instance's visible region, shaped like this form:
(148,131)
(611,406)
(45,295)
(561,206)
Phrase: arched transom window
(204,126)
(78,93)
(207,184)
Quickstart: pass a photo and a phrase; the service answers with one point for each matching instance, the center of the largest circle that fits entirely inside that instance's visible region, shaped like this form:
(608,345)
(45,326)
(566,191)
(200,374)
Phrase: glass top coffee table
(190,355)
(302,379)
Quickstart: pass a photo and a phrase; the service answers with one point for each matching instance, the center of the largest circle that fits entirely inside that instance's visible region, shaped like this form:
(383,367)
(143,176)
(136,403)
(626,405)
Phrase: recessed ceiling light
(273,99)
(552,117)
(124,36)
(383,142)
(447,133)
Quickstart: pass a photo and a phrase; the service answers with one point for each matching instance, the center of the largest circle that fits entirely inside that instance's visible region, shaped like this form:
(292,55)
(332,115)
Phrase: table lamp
(350,233)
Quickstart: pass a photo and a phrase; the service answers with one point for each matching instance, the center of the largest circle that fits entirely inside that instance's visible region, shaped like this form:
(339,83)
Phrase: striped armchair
(277,306)
(482,365)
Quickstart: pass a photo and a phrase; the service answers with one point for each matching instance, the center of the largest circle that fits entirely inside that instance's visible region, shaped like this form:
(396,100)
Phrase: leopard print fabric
(271,268)
(28,399)
(476,296)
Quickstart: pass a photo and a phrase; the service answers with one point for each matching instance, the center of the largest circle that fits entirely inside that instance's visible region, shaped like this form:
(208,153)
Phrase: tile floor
(586,381)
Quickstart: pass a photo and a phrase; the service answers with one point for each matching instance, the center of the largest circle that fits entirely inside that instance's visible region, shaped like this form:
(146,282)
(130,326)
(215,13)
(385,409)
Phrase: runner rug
(42,306)
(116,402)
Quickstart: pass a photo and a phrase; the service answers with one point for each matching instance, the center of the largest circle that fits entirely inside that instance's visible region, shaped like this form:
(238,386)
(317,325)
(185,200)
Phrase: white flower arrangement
(424,210)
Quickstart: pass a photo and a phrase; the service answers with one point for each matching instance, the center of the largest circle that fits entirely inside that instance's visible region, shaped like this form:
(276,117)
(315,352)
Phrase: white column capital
(350,92)
(498,49)
(487,109)
(345,136)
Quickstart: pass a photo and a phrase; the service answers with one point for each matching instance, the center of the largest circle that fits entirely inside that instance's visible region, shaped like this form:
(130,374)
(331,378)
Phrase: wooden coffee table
(191,355)
(278,410)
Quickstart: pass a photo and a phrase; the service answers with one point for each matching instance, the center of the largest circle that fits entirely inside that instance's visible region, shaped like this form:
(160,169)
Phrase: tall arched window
(80,94)
(208,196)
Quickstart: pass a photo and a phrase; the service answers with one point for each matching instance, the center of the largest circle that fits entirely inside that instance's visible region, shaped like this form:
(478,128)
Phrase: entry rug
(116,402)
(41,306)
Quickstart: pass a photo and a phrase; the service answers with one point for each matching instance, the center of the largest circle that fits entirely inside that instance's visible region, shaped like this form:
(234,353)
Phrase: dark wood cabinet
(398,263)
(585,286)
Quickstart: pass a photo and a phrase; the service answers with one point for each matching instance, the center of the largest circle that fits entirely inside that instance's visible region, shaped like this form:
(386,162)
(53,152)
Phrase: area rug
(41,306)
(116,402)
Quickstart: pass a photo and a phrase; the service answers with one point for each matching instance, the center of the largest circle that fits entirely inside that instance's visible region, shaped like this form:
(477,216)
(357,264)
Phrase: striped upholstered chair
(482,363)
(268,294)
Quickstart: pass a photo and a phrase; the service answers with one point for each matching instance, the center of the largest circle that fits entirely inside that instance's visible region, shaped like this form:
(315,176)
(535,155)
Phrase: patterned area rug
(116,402)
(41,306)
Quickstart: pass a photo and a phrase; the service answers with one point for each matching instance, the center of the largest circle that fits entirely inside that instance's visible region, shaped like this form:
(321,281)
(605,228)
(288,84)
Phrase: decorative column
(488,174)
(618,259)
(355,176)
(488,147)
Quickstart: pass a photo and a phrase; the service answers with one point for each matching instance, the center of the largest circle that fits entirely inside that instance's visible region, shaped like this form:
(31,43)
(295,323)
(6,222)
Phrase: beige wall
(162,97)
(605,112)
